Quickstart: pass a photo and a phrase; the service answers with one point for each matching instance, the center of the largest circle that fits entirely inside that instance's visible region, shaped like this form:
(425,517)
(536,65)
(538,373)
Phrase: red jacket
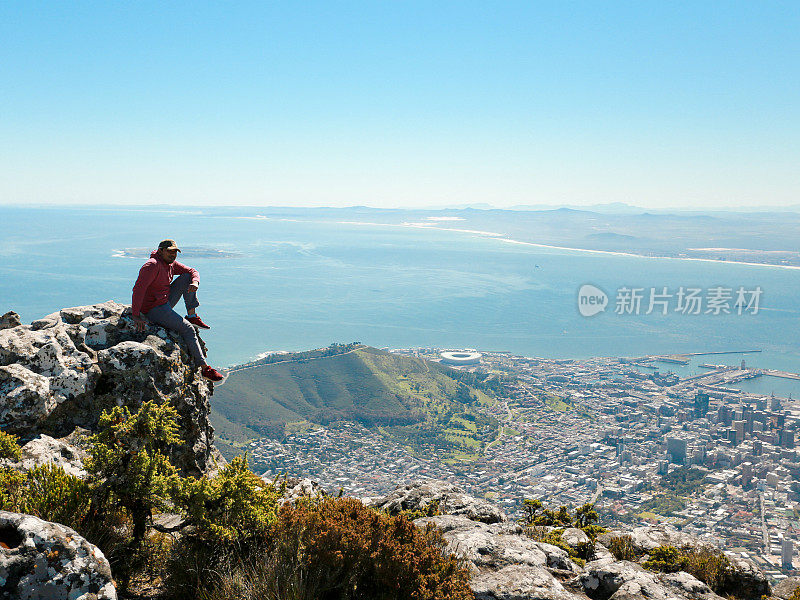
(152,286)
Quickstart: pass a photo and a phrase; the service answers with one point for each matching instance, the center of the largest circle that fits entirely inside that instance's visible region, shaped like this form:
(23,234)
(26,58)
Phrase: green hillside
(419,403)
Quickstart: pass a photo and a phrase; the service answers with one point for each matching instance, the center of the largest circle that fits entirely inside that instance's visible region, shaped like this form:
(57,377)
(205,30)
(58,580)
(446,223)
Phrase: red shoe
(211,373)
(197,322)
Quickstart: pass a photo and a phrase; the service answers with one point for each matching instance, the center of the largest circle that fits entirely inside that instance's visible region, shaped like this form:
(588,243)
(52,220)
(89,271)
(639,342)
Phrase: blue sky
(419,104)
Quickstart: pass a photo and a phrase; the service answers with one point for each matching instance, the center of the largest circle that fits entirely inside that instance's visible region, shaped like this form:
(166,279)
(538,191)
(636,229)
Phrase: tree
(585,515)
(128,464)
(531,506)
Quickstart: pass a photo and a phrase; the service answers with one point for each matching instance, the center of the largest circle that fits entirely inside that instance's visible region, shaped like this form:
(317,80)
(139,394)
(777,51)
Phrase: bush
(707,564)
(128,464)
(236,504)
(323,549)
(622,548)
(667,559)
(47,492)
(9,448)
(431,509)
(579,554)
(52,494)
(585,518)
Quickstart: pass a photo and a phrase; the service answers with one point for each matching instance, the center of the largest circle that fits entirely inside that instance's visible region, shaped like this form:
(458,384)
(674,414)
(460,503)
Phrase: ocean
(294,279)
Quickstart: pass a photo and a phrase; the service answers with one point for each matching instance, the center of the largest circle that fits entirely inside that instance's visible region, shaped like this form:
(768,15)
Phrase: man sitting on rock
(155,295)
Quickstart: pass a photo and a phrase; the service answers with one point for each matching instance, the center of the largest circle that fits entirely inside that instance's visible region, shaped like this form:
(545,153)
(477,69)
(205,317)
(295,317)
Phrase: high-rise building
(676,448)
(700,404)
(787,438)
(747,473)
(739,427)
(787,550)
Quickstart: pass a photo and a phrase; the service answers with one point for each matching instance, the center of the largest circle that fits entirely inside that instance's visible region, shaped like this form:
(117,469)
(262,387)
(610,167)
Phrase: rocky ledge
(60,372)
(507,563)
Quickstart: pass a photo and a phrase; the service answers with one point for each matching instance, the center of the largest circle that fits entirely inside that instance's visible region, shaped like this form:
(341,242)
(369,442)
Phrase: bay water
(293,280)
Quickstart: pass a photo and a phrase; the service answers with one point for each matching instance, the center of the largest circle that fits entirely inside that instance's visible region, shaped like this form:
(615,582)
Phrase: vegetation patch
(666,504)
(707,564)
(9,448)
(237,540)
(547,525)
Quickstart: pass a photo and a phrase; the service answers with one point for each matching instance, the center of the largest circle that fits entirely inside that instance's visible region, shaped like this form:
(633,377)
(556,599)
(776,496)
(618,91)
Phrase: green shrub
(325,549)
(128,463)
(47,492)
(622,548)
(585,518)
(13,490)
(236,504)
(431,509)
(9,448)
(55,495)
(52,494)
(579,553)
(666,559)
(795,594)
(707,564)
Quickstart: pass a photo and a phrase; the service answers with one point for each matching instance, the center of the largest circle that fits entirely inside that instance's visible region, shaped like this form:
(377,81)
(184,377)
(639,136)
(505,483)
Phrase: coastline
(503,238)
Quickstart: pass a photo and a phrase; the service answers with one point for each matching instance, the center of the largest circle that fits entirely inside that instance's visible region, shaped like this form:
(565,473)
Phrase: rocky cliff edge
(60,372)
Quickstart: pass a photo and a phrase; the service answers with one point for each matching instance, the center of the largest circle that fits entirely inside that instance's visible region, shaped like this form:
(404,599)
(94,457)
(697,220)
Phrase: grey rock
(647,538)
(40,560)
(297,488)
(611,580)
(63,370)
(601,552)
(748,580)
(9,320)
(687,585)
(519,582)
(451,501)
(44,449)
(786,588)
(504,562)
(573,536)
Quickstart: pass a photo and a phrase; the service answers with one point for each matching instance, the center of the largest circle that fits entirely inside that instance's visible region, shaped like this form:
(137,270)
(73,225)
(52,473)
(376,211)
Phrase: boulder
(504,562)
(572,536)
(61,371)
(9,320)
(44,449)
(518,582)
(451,501)
(623,580)
(297,488)
(40,560)
(747,579)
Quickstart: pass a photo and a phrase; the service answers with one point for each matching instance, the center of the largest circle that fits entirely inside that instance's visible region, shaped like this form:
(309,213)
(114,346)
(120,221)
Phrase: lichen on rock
(41,560)
(63,370)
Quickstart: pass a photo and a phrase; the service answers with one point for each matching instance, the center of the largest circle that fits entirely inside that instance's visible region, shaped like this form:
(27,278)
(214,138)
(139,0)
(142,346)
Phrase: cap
(168,245)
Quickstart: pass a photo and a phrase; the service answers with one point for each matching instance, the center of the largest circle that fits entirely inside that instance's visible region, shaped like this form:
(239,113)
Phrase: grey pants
(166,317)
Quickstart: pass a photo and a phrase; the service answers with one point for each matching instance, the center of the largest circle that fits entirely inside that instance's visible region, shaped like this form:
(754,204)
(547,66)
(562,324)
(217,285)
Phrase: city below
(642,444)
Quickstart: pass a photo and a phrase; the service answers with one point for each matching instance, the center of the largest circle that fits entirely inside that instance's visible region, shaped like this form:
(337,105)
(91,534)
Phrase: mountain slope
(416,401)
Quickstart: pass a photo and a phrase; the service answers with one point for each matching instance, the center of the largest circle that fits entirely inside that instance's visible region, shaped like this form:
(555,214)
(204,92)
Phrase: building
(676,448)
(461,357)
(701,400)
(787,550)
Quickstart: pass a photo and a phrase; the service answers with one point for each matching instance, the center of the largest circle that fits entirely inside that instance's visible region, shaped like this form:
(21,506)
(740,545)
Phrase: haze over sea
(294,279)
